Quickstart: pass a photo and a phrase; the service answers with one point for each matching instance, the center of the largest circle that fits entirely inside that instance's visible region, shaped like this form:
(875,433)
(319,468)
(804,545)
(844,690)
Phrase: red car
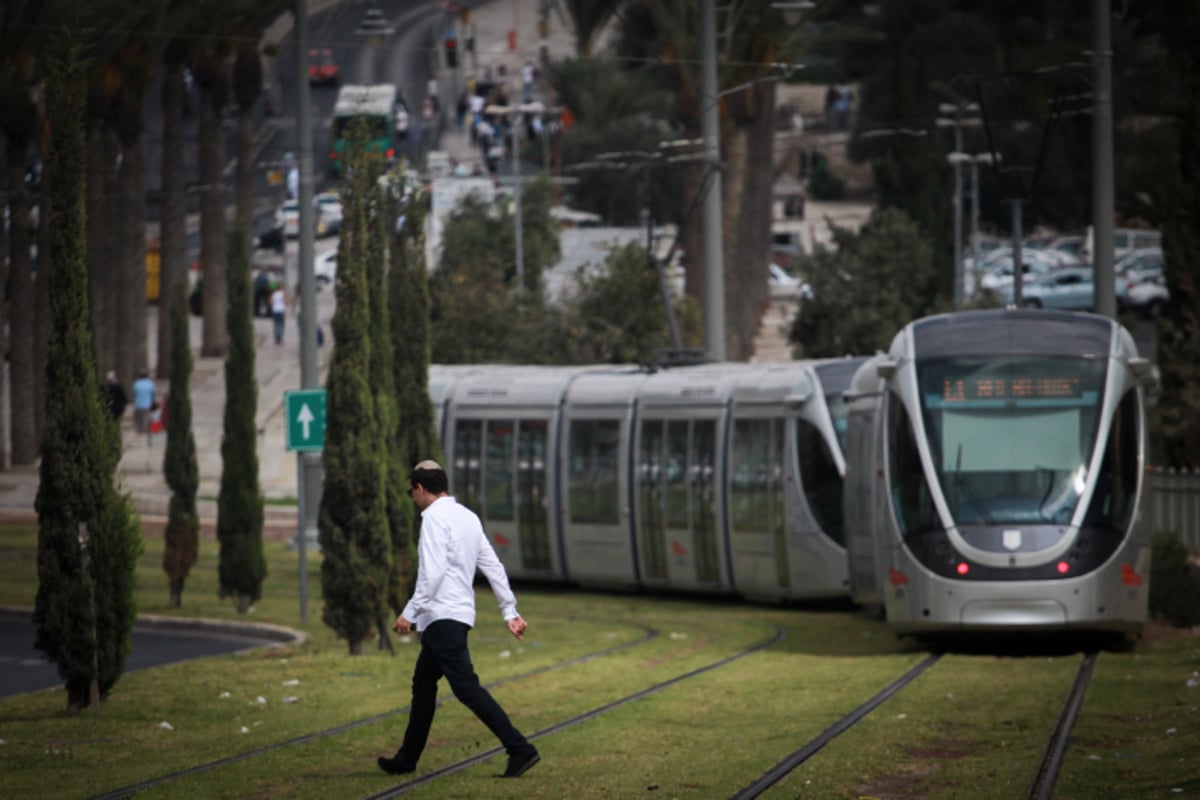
(321,67)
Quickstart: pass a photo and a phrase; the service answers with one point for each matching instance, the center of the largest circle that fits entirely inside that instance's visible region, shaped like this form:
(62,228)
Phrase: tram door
(758,535)
(677,510)
(500,473)
(596,535)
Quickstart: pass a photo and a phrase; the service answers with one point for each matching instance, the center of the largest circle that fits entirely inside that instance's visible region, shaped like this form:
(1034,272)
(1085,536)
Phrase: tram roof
(999,332)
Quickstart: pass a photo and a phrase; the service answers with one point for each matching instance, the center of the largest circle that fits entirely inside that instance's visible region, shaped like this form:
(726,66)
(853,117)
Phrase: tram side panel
(863,510)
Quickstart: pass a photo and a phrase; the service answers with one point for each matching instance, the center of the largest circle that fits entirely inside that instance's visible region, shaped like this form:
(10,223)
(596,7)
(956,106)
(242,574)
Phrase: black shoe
(395,766)
(520,763)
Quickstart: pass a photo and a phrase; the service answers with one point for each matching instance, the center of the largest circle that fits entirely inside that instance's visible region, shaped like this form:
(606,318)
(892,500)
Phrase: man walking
(442,608)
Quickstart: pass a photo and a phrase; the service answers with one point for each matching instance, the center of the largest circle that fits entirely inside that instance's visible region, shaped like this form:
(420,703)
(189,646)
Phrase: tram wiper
(1045,498)
(962,484)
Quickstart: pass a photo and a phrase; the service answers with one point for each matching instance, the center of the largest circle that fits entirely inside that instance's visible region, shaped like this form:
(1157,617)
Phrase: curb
(280,635)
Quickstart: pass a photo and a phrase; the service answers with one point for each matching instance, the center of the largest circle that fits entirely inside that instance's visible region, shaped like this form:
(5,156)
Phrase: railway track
(571,722)
(648,633)
(1045,774)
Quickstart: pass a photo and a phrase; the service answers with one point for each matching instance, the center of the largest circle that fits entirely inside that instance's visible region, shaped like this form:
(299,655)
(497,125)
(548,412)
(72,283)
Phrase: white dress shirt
(451,547)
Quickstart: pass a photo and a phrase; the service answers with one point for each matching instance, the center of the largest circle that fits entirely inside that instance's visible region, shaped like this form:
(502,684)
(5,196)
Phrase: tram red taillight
(1063,568)
(963,568)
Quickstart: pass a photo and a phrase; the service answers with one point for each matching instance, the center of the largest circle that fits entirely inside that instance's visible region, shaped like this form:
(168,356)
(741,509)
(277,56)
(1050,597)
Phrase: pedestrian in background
(143,401)
(279,311)
(113,395)
(452,545)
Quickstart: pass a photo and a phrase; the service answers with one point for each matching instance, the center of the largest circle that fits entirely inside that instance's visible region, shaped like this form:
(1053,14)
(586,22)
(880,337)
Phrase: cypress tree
(352,525)
(179,461)
(241,565)
(398,504)
(417,439)
(411,331)
(88,534)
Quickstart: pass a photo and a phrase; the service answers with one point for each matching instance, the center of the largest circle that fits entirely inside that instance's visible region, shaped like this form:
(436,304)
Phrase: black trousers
(444,653)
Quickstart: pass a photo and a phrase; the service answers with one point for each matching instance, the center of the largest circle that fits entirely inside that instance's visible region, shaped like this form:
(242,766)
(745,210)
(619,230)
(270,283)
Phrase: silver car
(1069,288)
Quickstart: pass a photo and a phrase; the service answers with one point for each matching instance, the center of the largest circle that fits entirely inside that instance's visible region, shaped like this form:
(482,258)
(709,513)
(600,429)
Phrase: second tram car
(997,475)
(720,478)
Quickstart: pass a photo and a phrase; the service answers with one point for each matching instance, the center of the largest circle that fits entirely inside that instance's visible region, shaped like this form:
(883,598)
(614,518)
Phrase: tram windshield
(1011,438)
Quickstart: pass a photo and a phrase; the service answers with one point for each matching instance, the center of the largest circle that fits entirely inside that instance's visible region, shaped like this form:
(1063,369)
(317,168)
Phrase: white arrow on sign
(305,418)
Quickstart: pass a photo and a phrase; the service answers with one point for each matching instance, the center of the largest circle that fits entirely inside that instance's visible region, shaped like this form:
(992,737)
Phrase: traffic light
(452,53)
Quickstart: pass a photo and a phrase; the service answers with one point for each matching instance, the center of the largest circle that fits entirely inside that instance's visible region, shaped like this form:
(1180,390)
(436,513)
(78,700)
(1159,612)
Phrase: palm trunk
(20,300)
(98,242)
(747,139)
(5,404)
(215,339)
(130,295)
(41,302)
(244,177)
(173,231)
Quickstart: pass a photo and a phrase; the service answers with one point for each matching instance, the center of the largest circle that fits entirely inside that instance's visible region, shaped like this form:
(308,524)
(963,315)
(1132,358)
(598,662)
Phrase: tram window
(1117,480)
(911,498)
(498,471)
(821,480)
(676,475)
(592,471)
(468,435)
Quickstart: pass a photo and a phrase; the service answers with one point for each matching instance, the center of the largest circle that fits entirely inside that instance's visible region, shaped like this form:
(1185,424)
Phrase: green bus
(376,105)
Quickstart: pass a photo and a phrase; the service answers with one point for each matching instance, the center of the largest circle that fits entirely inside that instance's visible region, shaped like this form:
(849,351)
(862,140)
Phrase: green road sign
(305,419)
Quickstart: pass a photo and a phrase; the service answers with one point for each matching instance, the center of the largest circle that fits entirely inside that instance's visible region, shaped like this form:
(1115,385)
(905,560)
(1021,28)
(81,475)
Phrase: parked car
(1069,288)
(326,222)
(1034,264)
(1137,267)
(322,68)
(782,283)
(325,268)
(329,204)
(1148,297)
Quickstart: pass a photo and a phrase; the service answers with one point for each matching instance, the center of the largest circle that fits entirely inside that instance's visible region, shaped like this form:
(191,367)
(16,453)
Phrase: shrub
(1174,581)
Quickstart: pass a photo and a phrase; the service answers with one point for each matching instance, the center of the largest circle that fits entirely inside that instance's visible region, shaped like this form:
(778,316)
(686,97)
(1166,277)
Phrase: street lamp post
(958,116)
(957,159)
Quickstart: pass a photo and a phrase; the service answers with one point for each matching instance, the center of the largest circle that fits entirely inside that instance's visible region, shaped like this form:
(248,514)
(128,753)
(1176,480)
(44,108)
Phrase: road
(403,59)
(24,669)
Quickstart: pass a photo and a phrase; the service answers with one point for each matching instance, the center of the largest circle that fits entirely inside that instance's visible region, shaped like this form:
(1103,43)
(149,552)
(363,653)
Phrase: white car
(1149,297)
(784,284)
(326,223)
(325,268)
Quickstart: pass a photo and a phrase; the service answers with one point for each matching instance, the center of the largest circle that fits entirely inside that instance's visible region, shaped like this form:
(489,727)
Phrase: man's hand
(517,626)
(402,626)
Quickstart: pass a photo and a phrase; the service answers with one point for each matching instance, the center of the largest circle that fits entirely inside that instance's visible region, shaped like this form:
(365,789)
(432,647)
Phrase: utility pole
(308,465)
(1102,160)
(714,275)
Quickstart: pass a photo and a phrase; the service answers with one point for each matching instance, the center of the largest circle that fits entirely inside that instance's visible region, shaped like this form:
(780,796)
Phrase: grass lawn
(973,725)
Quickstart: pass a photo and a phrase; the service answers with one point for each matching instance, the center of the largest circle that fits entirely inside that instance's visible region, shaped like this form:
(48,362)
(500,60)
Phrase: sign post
(305,418)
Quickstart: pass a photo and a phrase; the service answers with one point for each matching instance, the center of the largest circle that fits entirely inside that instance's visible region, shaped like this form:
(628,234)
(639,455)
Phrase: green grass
(970,726)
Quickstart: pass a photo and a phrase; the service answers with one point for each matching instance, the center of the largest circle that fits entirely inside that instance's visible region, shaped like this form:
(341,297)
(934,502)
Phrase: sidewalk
(277,368)
(492,23)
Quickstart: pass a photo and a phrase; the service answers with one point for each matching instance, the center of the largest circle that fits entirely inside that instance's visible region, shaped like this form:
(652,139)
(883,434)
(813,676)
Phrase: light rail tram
(996,475)
(716,478)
